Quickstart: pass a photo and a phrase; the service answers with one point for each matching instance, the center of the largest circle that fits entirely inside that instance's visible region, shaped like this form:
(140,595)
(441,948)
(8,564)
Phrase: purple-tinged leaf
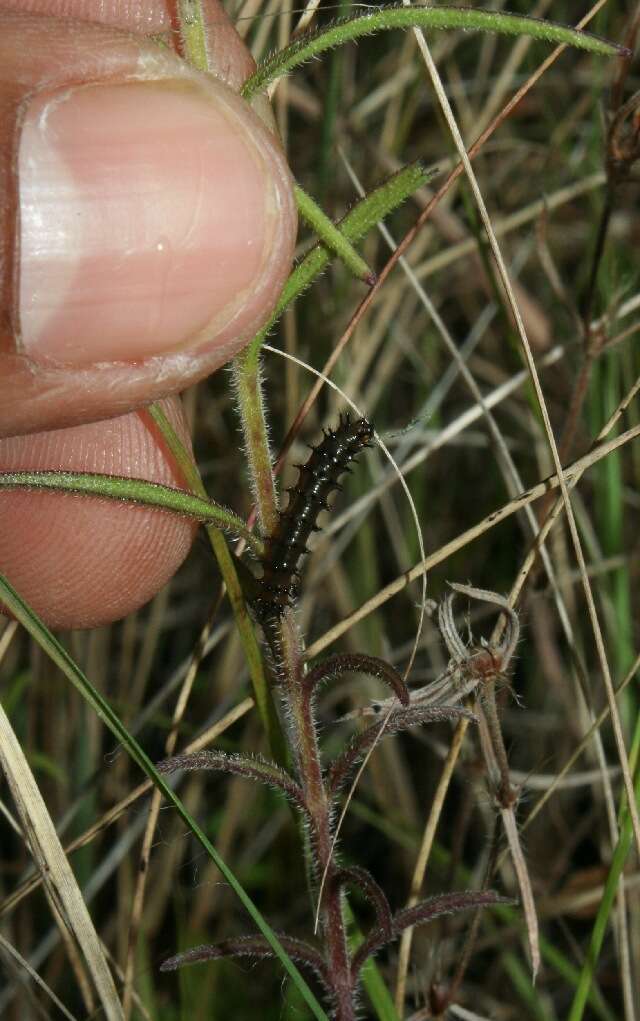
(357,663)
(420,914)
(346,763)
(357,876)
(255,947)
(251,767)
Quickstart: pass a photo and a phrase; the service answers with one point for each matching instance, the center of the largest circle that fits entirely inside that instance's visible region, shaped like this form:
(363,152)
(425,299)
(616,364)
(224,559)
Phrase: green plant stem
(247,368)
(247,377)
(227,565)
(193,34)
(347,29)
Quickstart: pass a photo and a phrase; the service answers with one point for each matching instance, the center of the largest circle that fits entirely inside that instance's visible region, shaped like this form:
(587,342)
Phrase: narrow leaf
(128,490)
(256,947)
(354,225)
(251,767)
(347,29)
(343,767)
(330,236)
(420,914)
(358,663)
(357,876)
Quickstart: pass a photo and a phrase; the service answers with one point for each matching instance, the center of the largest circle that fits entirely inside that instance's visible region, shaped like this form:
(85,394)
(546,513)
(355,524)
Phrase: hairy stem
(507,796)
(246,371)
(303,737)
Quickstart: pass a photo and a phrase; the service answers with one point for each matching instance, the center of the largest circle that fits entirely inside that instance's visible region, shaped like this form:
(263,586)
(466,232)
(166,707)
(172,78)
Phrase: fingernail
(146,211)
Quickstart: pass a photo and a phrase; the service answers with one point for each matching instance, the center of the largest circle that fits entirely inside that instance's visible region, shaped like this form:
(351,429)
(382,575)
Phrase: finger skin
(36,396)
(80,561)
(229,60)
(144,17)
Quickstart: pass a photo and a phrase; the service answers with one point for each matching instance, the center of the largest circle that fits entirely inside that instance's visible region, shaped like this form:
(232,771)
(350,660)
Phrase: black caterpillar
(288,542)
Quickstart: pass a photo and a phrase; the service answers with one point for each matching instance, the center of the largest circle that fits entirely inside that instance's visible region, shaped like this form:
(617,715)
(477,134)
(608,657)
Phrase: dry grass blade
(524,883)
(55,868)
(11,952)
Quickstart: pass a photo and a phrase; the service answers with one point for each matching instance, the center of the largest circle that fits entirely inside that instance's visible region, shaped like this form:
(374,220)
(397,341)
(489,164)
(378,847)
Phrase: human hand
(147,227)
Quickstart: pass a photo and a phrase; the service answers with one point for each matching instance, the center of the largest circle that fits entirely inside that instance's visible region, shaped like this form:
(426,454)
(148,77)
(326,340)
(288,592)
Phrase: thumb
(149,227)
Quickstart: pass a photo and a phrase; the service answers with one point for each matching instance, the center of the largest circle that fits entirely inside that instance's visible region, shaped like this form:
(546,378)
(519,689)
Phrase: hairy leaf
(344,30)
(138,491)
(360,219)
(419,914)
(343,766)
(357,876)
(357,663)
(256,947)
(251,767)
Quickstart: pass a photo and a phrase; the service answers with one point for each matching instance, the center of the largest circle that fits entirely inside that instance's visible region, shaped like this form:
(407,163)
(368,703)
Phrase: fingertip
(153,220)
(138,278)
(79,561)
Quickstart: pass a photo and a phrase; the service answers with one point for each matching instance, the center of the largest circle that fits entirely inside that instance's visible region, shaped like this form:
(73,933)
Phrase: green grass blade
(52,647)
(347,29)
(601,923)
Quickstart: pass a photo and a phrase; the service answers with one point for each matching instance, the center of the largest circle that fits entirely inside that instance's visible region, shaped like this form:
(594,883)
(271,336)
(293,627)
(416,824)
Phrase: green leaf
(138,491)
(357,222)
(346,29)
(331,237)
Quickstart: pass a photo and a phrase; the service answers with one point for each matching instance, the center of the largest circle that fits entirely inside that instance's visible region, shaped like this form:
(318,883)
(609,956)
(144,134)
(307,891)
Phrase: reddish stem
(304,743)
